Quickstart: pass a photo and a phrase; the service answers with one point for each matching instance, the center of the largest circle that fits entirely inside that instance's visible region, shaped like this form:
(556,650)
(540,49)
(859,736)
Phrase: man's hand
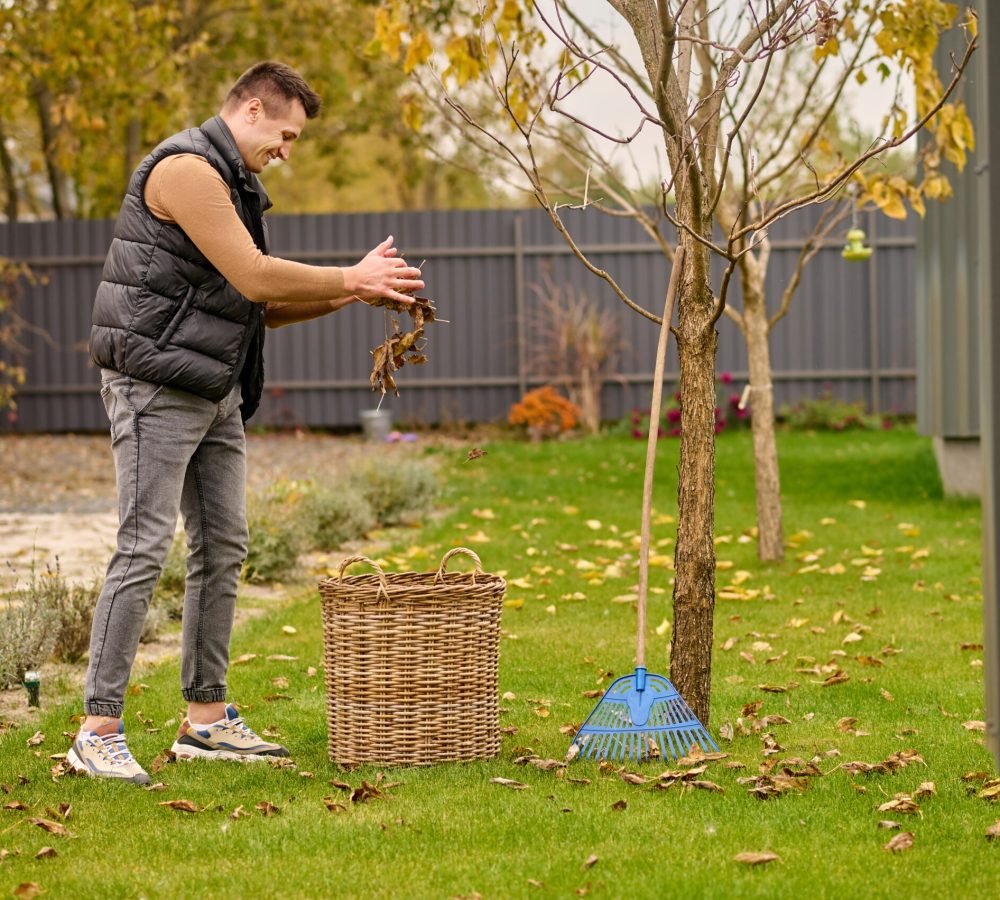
(382,274)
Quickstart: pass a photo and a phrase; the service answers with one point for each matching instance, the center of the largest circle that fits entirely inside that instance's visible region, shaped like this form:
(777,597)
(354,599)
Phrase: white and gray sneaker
(105,756)
(228,738)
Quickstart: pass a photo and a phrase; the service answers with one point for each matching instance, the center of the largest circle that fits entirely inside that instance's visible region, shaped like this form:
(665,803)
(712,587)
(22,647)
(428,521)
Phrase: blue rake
(642,716)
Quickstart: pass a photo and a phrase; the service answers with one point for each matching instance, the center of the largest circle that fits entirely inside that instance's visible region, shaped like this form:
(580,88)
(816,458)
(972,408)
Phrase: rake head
(641,717)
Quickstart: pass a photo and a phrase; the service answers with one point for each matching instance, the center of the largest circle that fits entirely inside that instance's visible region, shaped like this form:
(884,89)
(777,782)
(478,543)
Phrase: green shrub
(75,604)
(333,515)
(277,534)
(29,625)
(398,489)
(168,595)
(828,413)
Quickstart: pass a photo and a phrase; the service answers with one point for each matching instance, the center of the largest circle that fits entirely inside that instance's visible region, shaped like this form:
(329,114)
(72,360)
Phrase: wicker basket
(411,664)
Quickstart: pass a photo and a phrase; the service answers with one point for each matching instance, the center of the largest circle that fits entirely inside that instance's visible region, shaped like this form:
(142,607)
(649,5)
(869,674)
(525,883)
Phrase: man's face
(269,136)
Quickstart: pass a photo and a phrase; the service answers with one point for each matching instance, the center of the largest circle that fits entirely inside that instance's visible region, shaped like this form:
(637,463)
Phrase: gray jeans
(174,452)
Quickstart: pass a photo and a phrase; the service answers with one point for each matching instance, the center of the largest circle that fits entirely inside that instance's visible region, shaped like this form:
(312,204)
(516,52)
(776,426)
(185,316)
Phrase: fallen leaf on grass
(280,657)
(620,805)
(267,808)
(180,805)
(27,889)
(15,805)
(46,853)
(475,453)
(509,783)
(756,857)
(163,759)
(991,790)
(902,841)
(333,806)
(239,813)
(925,789)
(993,832)
(901,804)
(51,827)
(590,861)
(37,738)
(244,658)
(888,825)
(704,785)
(974,725)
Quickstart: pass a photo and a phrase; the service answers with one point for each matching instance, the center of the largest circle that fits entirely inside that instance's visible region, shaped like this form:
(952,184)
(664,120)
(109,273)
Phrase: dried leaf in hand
(902,841)
(756,858)
(399,347)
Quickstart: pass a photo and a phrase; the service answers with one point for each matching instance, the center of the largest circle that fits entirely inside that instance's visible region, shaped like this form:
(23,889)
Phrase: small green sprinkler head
(855,248)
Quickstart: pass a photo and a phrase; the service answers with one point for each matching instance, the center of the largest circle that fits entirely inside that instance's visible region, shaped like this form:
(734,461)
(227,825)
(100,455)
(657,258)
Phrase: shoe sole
(80,767)
(185,753)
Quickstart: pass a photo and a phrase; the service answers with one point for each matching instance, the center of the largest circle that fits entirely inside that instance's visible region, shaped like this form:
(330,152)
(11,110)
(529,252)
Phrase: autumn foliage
(545,412)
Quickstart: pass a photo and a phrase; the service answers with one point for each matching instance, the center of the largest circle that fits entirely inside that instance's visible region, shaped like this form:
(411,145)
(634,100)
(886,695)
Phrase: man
(178,332)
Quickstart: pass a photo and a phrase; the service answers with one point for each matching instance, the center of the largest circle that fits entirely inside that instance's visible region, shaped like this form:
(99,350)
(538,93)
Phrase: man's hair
(275,85)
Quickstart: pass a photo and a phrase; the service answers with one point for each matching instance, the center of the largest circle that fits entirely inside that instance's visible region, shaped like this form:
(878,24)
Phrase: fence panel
(851,328)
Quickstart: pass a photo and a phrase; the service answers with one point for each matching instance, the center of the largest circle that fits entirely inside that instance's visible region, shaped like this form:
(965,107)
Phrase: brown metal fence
(851,331)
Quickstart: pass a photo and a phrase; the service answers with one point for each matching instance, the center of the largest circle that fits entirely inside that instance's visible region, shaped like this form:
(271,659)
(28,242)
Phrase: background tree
(507,75)
(89,88)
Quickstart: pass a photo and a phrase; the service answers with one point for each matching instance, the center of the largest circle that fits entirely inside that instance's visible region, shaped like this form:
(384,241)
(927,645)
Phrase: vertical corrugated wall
(947,287)
(851,330)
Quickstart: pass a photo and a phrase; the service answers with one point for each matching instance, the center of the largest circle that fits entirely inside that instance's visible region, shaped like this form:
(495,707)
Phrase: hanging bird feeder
(855,248)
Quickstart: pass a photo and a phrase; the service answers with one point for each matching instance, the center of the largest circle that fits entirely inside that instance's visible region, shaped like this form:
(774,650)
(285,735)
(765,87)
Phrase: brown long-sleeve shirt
(187,191)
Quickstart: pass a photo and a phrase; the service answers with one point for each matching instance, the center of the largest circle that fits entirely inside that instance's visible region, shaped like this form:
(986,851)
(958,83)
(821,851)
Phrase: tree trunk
(43,105)
(9,178)
(770,538)
(694,555)
(133,148)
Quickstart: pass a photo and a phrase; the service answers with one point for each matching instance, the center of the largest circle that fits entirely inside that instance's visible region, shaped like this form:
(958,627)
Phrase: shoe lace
(240,727)
(116,751)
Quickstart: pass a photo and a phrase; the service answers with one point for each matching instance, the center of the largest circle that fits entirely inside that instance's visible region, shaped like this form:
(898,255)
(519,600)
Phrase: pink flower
(636,433)
(675,432)
(673,415)
(726,378)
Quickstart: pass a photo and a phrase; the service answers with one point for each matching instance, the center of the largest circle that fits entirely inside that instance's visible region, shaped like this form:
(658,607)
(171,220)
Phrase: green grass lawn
(881,583)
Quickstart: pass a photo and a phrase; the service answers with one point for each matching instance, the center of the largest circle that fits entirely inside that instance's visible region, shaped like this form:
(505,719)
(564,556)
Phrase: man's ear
(253,109)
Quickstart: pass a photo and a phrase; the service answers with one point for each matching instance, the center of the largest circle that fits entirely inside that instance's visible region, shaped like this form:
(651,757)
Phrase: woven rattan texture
(412,678)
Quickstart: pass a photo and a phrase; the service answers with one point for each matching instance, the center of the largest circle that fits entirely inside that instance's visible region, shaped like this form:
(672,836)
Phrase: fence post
(519,310)
(873,354)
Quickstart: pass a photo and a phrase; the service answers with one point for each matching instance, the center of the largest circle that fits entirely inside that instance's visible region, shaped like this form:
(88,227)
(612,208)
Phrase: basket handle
(383,585)
(444,562)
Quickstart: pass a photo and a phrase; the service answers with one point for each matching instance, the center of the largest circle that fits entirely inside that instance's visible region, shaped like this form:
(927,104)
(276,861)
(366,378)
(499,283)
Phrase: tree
(89,88)
(507,74)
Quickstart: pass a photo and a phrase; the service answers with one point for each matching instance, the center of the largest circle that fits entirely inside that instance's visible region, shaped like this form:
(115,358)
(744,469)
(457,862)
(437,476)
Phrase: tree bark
(43,105)
(770,537)
(694,555)
(9,178)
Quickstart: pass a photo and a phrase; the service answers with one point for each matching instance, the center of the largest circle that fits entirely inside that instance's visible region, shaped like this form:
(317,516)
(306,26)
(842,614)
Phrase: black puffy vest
(163,312)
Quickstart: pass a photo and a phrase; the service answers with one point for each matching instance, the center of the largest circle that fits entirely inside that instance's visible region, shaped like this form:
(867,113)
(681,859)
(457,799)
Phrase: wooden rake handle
(654,427)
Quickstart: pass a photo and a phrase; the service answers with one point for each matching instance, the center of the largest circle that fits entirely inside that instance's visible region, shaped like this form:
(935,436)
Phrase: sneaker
(228,738)
(105,756)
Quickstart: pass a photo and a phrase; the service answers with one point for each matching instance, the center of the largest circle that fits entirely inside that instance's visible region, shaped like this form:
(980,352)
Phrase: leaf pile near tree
(400,347)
